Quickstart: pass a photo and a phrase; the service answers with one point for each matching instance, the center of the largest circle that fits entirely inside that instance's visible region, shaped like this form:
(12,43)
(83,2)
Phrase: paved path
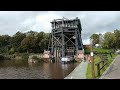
(113,71)
(79,72)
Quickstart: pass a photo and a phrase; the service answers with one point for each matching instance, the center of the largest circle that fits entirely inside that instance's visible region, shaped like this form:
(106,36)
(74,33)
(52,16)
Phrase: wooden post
(92,59)
(98,69)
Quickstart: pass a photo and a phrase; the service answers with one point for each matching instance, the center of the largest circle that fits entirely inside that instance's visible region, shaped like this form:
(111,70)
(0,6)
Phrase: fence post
(98,69)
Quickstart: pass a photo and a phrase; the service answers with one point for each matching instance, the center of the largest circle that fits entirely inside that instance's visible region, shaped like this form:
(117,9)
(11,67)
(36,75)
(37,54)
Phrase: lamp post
(92,60)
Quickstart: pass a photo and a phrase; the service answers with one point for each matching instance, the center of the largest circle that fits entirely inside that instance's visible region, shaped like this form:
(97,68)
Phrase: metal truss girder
(69,39)
(57,40)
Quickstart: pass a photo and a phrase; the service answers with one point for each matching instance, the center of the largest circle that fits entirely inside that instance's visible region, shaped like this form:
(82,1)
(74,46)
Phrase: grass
(96,60)
(98,50)
(102,51)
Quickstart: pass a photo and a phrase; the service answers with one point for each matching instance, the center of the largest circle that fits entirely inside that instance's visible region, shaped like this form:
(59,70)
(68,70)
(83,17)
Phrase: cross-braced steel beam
(65,37)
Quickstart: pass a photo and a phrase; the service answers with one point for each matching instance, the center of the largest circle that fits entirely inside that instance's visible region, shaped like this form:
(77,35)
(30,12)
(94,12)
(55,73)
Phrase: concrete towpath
(113,71)
(79,72)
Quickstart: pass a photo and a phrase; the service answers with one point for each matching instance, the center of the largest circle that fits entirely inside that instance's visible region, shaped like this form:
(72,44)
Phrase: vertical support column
(76,41)
(58,49)
(55,50)
(52,50)
(81,44)
(49,43)
(63,47)
(59,53)
(81,39)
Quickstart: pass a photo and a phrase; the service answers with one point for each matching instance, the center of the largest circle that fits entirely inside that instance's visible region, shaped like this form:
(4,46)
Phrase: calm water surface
(21,69)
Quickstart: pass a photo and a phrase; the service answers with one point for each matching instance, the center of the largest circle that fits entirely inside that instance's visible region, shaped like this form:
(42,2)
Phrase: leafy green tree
(12,51)
(109,40)
(25,43)
(95,39)
(16,39)
(4,40)
(31,42)
(117,35)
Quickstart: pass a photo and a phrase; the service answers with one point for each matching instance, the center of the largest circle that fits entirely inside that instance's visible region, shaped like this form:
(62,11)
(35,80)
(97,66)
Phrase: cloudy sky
(92,21)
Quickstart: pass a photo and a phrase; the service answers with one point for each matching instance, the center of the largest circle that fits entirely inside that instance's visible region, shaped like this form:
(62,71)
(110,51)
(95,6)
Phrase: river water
(21,69)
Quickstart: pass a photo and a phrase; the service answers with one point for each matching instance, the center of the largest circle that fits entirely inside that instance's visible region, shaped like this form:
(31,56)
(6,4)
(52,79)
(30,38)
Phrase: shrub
(87,50)
(12,51)
(1,57)
(102,51)
(25,56)
(38,59)
(35,57)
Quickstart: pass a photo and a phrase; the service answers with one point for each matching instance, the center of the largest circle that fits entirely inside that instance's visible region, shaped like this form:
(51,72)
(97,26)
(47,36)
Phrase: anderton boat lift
(65,42)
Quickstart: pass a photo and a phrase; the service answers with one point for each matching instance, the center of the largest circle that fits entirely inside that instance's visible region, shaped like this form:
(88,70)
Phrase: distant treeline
(30,42)
(109,40)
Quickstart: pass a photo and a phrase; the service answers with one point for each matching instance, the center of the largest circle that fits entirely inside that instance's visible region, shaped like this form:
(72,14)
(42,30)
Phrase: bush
(97,51)
(102,51)
(16,53)
(2,50)
(35,57)
(12,51)
(25,56)
(1,57)
(38,59)
(87,50)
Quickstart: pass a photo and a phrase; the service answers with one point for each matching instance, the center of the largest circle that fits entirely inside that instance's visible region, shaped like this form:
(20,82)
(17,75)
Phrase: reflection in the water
(21,69)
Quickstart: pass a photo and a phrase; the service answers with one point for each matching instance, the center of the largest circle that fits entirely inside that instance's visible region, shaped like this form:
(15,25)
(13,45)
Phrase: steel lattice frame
(65,39)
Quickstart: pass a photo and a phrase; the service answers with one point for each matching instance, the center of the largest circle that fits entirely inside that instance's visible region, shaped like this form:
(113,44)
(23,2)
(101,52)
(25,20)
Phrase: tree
(117,35)
(43,41)
(31,42)
(4,43)
(4,40)
(32,34)
(95,39)
(12,51)
(16,40)
(109,40)
(25,43)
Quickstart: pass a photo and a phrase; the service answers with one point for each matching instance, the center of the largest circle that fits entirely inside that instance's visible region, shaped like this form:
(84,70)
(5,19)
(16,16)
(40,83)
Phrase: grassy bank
(96,60)
(98,50)
(102,51)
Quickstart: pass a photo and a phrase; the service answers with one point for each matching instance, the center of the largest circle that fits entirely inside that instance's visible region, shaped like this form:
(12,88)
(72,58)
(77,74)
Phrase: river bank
(16,56)
(5,57)
(96,60)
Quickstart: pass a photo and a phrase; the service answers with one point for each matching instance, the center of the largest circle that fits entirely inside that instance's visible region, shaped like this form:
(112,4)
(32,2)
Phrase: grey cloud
(10,21)
(92,21)
(99,22)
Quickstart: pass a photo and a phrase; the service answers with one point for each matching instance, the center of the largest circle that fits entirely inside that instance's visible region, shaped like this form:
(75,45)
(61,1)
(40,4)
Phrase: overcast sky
(91,21)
